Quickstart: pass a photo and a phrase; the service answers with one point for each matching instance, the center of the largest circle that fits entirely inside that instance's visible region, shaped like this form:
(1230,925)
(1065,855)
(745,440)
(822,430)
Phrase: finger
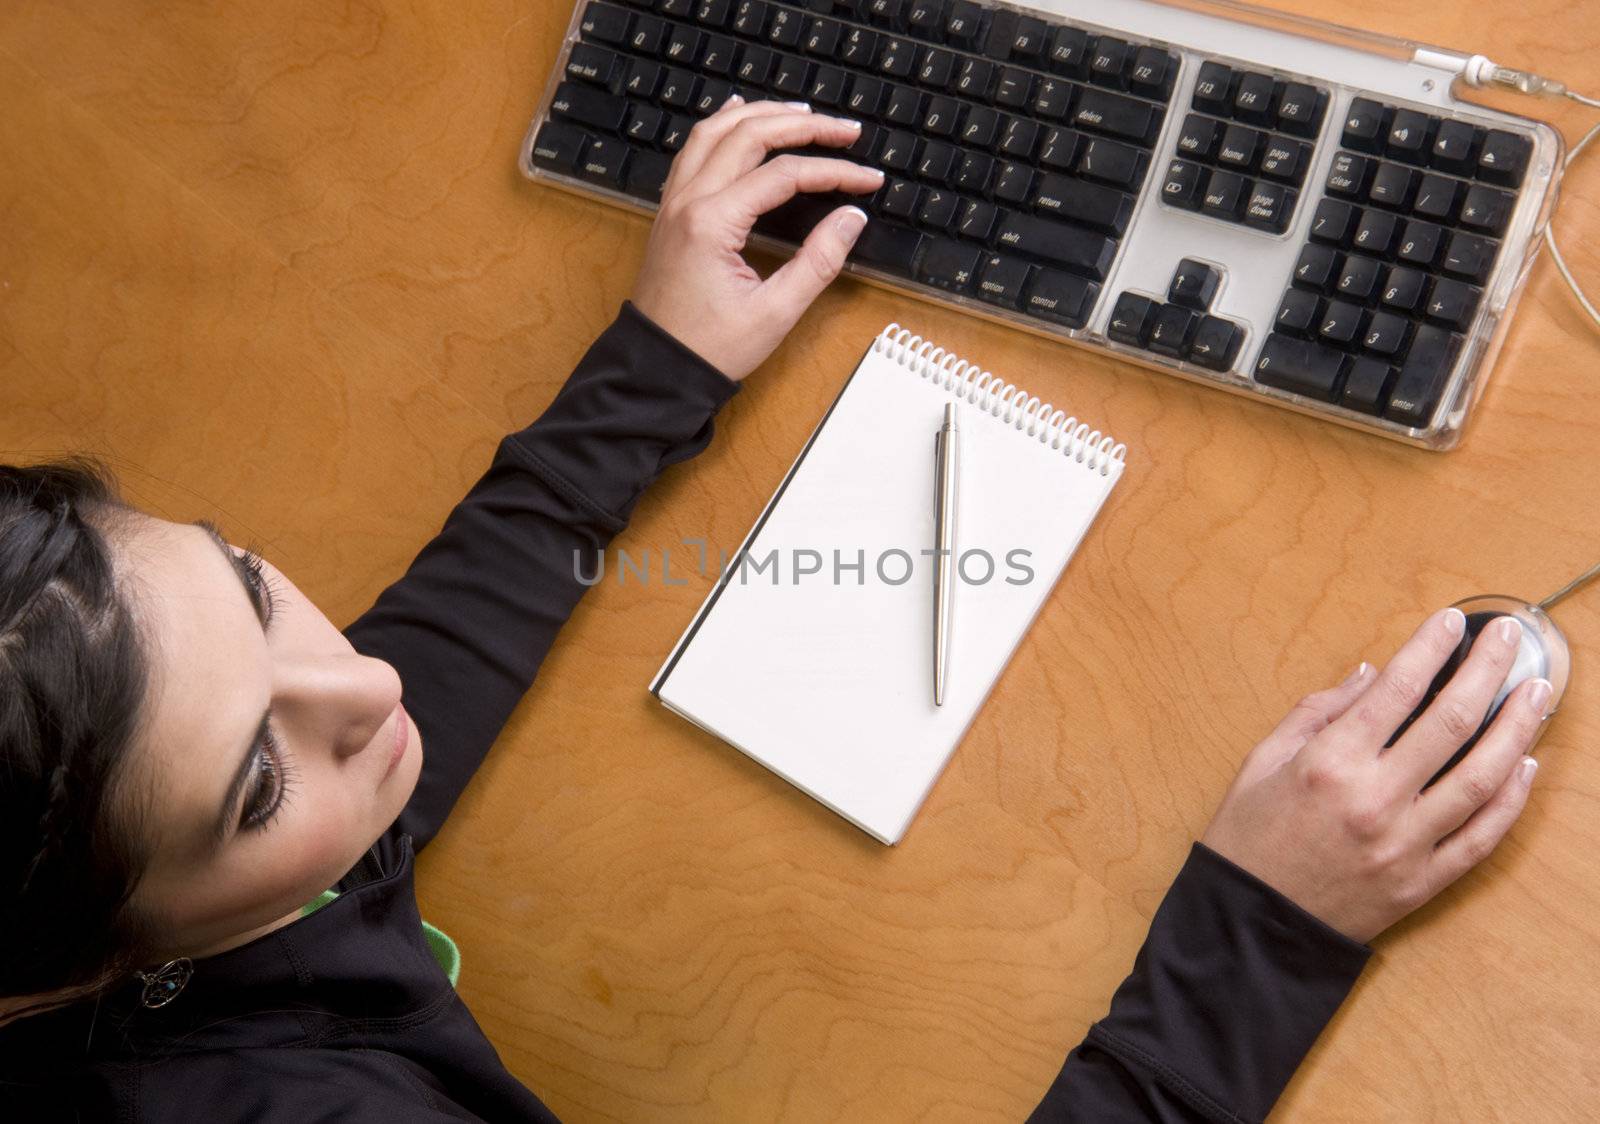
(780,179)
(1457,712)
(1307,719)
(1474,840)
(750,141)
(790,291)
(1398,689)
(1483,771)
(708,132)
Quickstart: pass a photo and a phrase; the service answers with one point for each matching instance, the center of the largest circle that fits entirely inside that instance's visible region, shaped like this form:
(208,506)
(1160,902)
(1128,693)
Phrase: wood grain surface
(276,264)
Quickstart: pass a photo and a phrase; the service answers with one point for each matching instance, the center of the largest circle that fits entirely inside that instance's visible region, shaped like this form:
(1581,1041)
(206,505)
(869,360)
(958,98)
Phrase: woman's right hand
(1338,824)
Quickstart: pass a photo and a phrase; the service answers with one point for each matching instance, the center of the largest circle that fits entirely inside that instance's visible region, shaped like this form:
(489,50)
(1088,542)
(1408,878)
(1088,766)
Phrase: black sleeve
(1231,988)
(471,620)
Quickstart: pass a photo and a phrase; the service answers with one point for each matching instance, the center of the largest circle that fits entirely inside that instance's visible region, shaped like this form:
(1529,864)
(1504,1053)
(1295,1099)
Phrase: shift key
(1072,247)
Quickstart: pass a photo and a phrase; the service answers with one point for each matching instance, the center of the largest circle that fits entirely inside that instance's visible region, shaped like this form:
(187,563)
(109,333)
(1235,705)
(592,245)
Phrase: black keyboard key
(1298,314)
(644,78)
(558,146)
(1300,109)
(1269,206)
(1385,333)
(938,208)
(1089,204)
(1393,186)
(942,117)
(1151,72)
(1375,233)
(961,25)
(755,66)
(1486,210)
(927,18)
(1216,343)
(1340,322)
(1366,386)
(1198,140)
(887,13)
(1240,147)
(605,23)
(1349,175)
(828,85)
(898,58)
(1060,297)
(1069,52)
(1212,89)
(860,48)
(947,264)
(1115,115)
(1301,366)
(676,134)
(975,172)
(937,68)
(977,220)
(898,151)
(898,199)
(604,161)
(713,93)
(1194,285)
(1410,136)
(1359,280)
(1333,223)
(1252,98)
(864,149)
(1365,126)
(888,247)
(1014,88)
(792,78)
(822,38)
(1183,185)
(1285,160)
(750,18)
(1132,319)
(1002,30)
(1504,158)
(713,13)
(1111,162)
(1422,376)
(588,106)
(683,45)
(1452,303)
(936,162)
(1071,247)
(905,106)
(1014,184)
(1225,195)
(1455,148)
(1001,280)
(1109,62)
(1060,149)
(1436,197)
(677,9)
(1419,243)
(980,127)
(974,79)
(1402,289)
(1053,101)
(1171,332)
(1028,38)
(721,51)
(647,174)
(593,64)
(1469,256)
(866,96)
(1317,268)
(644,124)
(1019,139)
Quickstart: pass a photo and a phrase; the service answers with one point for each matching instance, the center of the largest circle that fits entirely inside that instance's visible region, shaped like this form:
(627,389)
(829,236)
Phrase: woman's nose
(339,701)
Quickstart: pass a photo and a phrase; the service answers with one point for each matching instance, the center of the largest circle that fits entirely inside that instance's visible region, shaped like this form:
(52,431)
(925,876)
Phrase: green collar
(439,943)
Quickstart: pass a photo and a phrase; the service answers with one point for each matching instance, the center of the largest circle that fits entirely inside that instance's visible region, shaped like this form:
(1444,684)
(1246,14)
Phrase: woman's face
(272,756)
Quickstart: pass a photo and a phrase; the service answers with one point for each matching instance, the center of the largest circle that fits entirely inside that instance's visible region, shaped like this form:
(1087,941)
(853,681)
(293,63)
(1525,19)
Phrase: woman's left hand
(695,282)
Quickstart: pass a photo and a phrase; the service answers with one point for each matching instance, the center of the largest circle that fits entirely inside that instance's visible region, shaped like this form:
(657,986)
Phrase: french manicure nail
(734,99)
(1356,675)
(1538,695)
(1510,630)
(800,105)
(1526,770)
(852,223)
(1455,621)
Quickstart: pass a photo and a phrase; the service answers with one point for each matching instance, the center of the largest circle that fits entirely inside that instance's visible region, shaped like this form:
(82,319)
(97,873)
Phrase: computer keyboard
(1279,210)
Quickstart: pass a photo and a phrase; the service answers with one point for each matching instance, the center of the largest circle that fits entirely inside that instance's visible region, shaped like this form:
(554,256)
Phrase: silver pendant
(163,985)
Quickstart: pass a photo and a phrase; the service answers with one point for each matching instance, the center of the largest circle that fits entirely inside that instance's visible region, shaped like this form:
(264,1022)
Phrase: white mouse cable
(1480,71)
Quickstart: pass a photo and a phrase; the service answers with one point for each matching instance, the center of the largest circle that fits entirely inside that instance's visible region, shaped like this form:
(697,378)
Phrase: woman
(191,752)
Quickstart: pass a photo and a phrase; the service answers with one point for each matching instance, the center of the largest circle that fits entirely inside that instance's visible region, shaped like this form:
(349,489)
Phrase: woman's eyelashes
(261,583)
(270,787)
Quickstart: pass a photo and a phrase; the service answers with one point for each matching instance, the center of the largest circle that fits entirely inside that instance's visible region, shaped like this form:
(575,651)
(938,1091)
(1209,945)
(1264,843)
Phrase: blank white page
(829,682)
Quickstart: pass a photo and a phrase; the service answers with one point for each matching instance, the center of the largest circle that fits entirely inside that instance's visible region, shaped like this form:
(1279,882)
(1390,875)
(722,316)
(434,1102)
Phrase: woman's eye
(266,793)
(260,584)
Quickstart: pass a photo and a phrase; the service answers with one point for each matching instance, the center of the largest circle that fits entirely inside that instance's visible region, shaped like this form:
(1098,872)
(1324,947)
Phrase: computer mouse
(1543,652)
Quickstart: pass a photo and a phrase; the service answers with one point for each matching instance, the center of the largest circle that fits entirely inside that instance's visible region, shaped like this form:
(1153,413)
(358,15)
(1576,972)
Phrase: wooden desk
(276,264)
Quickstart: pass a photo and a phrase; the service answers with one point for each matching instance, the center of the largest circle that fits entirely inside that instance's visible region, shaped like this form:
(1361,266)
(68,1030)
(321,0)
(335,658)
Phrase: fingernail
(1538,695)
(800,105)
(852,223)
(733,99)
(849,123)
(879,172)
(1455,621)
(1356,675)
(1526,770)
(1510,630)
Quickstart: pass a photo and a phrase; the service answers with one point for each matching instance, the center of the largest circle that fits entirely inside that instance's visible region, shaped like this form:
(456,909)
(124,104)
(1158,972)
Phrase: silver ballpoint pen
(946,456)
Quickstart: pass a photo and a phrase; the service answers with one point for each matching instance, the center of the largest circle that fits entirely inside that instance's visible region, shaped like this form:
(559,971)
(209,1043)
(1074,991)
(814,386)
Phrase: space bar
(1072,247)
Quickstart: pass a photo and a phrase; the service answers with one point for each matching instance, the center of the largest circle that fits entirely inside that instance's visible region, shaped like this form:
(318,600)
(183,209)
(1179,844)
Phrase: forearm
(472,619)
(1233,985)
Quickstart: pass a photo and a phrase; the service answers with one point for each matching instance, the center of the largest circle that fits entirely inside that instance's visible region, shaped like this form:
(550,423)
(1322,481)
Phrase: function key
(1364,126)
(1194,285)
(1211,89)
(1410,136)
(1108,62)
(1028,39)
(1252,101)
(1152,69)
(927,18)
(1455,147)
(1002,30)
(1069,52)
(961,25)
(1300,109)
(1504,158)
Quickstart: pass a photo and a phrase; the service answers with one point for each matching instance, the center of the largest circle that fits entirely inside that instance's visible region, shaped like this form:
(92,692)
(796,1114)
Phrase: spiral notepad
(813,652)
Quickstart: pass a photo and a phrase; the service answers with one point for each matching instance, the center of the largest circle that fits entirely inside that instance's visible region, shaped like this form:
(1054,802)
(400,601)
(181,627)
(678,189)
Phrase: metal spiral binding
(1011,404)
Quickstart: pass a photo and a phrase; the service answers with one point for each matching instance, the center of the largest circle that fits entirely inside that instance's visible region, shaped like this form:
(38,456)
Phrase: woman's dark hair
(72,684)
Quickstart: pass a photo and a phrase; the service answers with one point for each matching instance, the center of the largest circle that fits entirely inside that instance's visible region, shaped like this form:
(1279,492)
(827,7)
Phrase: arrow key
(1216,343)
(1132,319)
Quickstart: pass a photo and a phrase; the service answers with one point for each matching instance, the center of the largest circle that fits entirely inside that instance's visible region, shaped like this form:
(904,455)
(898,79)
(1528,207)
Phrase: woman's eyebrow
(237,566)
(227,817)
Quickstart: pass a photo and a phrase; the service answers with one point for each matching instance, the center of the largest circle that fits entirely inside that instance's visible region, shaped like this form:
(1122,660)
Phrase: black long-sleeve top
(345,1015)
